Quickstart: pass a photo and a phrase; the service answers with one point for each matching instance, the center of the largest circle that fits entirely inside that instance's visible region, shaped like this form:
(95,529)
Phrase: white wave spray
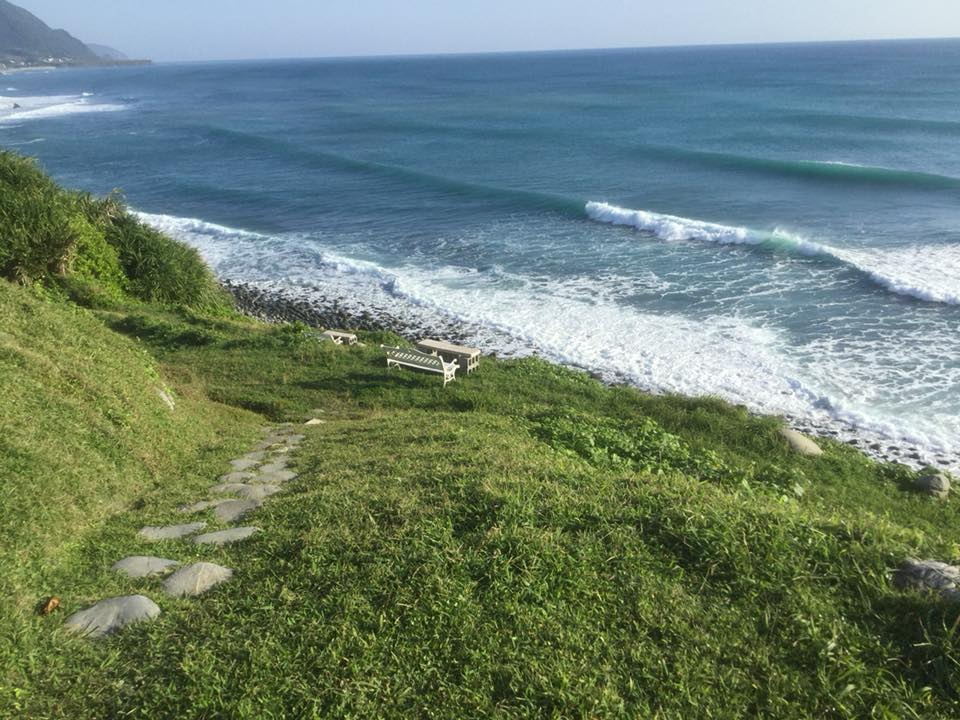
(576,324)
(927,273)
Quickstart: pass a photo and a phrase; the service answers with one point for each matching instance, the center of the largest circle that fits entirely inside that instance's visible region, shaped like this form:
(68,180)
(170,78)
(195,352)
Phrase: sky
(175,30)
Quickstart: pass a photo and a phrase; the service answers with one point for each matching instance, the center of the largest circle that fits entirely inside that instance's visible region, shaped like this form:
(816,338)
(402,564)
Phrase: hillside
(24,38)
(524,543)
(105,52)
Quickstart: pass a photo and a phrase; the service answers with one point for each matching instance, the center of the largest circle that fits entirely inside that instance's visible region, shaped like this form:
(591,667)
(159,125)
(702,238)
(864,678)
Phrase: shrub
(48,233)
(38,228)
(162,270)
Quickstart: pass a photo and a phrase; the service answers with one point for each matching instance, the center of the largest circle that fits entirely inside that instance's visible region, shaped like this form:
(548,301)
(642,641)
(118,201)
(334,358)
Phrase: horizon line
(545,51)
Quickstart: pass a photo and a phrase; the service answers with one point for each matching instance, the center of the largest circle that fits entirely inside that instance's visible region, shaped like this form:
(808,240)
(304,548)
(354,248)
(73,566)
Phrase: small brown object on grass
(48,605)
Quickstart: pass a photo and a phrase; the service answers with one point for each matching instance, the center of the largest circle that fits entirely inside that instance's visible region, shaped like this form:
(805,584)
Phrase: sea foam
(51,106)
(577,322)
(930,273)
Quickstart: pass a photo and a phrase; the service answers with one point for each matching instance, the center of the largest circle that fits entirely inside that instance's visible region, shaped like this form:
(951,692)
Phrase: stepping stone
(196,579)
(236,477)
(926,575)
(141,566)
(255,456)
(241,464)
(294,439)
(274,467)
(201,506)
(110,615)
(224,537)
(235,509)
(247,492)
(171,532)
(281,476)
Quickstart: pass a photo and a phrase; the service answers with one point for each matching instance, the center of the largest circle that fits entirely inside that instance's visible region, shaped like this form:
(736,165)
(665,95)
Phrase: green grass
(93,247)
(523,543)
(444,555)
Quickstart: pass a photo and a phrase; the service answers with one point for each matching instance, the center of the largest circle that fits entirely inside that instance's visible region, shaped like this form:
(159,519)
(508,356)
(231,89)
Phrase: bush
(48,233)
(39,229)
(162,270)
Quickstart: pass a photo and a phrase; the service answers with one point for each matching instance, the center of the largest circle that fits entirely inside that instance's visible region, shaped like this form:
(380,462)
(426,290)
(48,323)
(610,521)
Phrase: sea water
(775,225)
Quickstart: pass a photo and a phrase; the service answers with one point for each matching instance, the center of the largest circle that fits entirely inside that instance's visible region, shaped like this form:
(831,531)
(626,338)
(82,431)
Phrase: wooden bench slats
(397,357)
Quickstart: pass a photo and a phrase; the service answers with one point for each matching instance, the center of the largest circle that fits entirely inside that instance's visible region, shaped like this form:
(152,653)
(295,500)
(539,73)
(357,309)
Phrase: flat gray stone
(294,439)
(171,532)
(141,566)
(235,509)
(241,464)
(280,476)
(110,615)
(224,537)
(196,579)
(273,467)
(256,456)
(201,506)
(247,492)
(932,482)
(926,575)
(801,443)
(236,477)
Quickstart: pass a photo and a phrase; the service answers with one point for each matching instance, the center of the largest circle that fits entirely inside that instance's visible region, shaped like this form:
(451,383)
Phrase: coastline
(277,306)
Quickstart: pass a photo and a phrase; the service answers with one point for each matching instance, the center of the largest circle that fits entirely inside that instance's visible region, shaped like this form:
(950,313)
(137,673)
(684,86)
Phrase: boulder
(801,443)
(933,482)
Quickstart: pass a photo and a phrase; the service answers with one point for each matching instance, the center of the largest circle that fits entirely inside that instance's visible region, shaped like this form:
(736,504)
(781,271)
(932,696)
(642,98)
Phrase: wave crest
(927,273)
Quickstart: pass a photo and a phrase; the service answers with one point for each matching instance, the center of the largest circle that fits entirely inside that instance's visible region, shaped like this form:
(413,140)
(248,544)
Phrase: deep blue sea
(775,225)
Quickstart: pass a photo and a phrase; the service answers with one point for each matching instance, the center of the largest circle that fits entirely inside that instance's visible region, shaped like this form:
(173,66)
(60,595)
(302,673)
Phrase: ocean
(775,225)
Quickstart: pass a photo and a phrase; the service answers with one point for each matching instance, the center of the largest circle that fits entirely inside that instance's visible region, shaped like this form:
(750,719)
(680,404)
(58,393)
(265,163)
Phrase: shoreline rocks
(277,306)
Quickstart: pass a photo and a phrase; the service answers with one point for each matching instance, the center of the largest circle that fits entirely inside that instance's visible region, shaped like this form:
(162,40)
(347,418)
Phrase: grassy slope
(84,436)
(438,557)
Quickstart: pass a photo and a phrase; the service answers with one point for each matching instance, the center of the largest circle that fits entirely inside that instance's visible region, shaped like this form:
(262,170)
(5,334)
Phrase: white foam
(51,106)
(27,142)
(572,322)
(929,273)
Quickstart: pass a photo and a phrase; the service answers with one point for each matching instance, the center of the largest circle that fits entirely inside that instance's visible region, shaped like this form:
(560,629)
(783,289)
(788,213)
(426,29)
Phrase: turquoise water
(776,225)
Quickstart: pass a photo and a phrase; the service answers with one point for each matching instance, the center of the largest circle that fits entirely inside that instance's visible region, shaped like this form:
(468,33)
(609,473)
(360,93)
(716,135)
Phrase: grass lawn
(525,543)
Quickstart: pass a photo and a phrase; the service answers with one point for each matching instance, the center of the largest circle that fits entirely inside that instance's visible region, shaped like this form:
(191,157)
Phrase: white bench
(467,357)
(340,337)
(397,357)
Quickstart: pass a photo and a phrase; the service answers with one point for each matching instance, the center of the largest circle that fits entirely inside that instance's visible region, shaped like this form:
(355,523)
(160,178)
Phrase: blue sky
(234,29)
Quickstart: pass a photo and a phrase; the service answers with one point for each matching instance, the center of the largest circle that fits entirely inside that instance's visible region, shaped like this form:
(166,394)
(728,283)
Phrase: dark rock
(933,482)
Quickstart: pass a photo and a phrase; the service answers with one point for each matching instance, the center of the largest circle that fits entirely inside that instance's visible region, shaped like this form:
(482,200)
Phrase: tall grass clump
(162,270)
(50,235)
(44,231)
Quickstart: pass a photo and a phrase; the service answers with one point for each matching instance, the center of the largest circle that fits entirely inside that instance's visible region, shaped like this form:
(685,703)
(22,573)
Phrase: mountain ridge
(27,41)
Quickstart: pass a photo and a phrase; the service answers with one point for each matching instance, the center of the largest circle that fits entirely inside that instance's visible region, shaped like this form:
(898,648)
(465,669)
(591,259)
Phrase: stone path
(256,477)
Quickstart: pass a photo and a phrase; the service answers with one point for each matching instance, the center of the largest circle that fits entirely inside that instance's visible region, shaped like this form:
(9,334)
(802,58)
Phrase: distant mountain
(27,40)
(105,52)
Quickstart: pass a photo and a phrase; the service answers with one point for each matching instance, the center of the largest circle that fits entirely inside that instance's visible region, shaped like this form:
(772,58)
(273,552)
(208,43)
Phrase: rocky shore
(275,305)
